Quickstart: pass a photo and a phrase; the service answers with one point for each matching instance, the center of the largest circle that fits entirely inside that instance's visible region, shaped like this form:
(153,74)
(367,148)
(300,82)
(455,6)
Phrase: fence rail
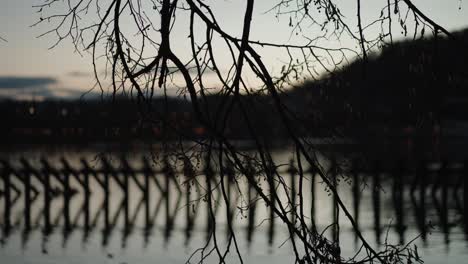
(27,182)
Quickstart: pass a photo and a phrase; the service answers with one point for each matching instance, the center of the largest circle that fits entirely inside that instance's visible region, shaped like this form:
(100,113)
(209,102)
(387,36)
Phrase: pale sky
(26,56)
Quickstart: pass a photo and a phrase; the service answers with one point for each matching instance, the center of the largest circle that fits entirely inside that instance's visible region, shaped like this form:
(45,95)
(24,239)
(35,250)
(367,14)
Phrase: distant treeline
(410,83)
(408,86)
(124,120)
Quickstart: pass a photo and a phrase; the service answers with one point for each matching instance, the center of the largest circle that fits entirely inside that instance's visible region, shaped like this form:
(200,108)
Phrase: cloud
(39,88)
(13,82)
(43,92)
(70,93)
(37,93)
(79,74)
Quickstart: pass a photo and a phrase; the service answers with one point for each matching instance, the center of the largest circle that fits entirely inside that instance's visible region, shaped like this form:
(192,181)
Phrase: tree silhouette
(139,44)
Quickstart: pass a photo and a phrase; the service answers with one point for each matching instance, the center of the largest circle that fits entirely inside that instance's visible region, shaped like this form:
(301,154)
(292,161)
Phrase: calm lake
(172,221)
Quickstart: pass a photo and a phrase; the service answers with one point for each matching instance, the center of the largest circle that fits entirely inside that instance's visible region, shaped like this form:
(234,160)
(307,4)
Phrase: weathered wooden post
(270,172)
(47,200)
(465,195)
(147,173)
(422,175)
(231,177)
(125,187)
(209,174)
(7,196)
(129,173)
(292,171)
(376,188)
(106,173)
(87,194)
(64,180)
(356,192)
(86,171)
(313,170)
(398,196)
(110,172)
(189,176)
(66,198)
(146,195)
(27,201)
(250,173)
(168,174)
(45,179)
(336,210)
(444,174)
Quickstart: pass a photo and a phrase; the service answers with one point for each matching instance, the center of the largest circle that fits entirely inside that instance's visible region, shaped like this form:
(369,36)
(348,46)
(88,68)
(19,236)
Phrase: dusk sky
(61,72)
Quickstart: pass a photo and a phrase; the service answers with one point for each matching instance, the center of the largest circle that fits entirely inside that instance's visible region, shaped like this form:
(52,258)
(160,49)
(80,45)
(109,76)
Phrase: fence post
(250,173)
(189,175)
(126,198)
(106,196)
(313,170)
(292,171)
(66,198)
(231,175)
(398,196)
(356,192)
(209,174)
(376,186)
(87,193)
(146,194)
(336,210)
(465,194)
(444,174)
(422,176)
(168,174)
(7,196)
(270,173)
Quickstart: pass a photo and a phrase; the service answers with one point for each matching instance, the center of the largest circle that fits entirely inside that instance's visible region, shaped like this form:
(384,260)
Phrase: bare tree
(135,41)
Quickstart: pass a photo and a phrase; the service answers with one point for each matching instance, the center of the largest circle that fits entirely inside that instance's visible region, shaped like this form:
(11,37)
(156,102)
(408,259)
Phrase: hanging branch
(135,41)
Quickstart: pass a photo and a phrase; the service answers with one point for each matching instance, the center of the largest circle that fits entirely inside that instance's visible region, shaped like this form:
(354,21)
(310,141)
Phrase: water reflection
(128,195)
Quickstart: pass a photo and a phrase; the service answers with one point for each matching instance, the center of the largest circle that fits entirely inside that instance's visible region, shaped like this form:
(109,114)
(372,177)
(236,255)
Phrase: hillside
(409,82)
